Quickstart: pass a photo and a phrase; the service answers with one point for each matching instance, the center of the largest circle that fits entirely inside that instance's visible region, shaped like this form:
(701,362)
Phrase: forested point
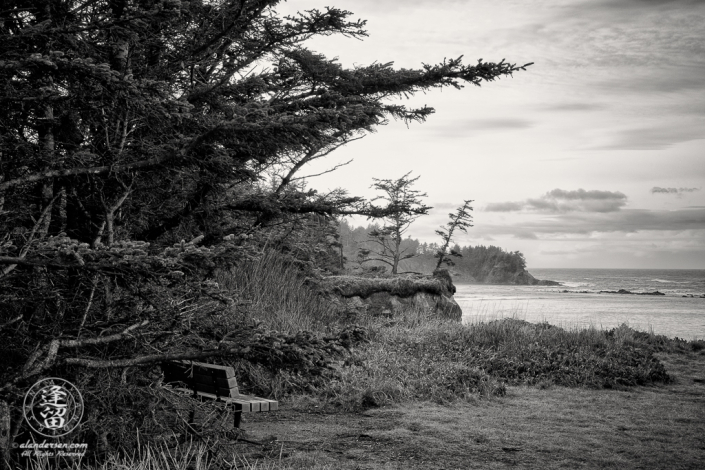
(475,264)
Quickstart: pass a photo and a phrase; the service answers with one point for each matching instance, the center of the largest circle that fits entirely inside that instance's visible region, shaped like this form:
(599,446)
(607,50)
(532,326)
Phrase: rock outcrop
(624,291)
(391,295)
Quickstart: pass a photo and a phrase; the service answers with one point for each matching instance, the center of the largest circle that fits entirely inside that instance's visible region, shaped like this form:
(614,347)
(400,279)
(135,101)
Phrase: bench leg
(238,417)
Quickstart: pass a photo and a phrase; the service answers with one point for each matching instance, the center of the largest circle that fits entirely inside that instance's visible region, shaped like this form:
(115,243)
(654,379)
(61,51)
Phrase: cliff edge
(388,296)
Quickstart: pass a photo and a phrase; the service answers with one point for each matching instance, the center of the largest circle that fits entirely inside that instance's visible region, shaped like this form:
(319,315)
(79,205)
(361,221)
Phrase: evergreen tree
(460,220)
(130,127)
(404,207)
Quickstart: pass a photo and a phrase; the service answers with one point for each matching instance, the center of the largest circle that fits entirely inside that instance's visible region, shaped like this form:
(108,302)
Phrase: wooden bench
(213,382)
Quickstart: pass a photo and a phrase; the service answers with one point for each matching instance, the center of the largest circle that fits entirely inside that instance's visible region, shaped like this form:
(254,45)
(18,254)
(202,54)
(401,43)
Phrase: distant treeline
(475,263)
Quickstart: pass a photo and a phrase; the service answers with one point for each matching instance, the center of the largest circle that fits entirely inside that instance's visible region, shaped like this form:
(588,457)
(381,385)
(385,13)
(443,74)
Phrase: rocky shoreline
(627,292)
(620,291)
(624,291)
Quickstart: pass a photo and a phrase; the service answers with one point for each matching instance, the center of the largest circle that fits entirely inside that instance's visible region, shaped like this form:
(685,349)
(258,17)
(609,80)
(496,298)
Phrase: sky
(594,157)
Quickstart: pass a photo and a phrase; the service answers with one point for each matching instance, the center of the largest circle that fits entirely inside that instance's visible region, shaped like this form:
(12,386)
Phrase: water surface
(678,313)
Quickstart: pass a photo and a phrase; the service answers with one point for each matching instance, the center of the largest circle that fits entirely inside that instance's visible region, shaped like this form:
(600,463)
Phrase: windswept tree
(404,206)
(460,220)
(133,137)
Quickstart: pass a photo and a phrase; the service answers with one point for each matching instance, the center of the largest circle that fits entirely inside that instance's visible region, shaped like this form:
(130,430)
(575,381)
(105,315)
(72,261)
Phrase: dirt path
(643,427)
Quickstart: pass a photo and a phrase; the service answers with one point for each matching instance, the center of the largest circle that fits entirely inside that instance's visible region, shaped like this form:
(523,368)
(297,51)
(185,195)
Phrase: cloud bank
(586,224)
(560,201)
(560,213)
(676,191)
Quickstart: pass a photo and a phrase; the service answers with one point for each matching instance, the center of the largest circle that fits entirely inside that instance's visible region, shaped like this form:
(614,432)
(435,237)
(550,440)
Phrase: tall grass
(188,456)
(416,356)
(278,295)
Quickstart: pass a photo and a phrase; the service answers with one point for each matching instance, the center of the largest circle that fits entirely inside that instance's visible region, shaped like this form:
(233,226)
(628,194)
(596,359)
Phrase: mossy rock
(391,295)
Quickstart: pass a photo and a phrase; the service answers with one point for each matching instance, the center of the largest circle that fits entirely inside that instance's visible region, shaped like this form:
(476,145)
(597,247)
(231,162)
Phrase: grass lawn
(659,427)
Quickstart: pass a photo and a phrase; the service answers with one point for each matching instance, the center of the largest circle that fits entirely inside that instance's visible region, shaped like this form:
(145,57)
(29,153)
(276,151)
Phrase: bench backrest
(202,377)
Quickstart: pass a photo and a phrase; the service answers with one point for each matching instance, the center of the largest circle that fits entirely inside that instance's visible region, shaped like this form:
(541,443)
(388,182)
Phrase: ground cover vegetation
(148,147)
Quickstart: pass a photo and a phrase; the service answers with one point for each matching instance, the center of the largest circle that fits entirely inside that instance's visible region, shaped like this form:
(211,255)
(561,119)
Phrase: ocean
(678,313)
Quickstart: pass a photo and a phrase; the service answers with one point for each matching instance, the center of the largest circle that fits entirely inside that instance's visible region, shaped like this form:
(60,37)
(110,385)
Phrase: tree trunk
(397,244)
(46,138)
(2,191)
(63,219)
(5,437)
(120,46)
(109,226)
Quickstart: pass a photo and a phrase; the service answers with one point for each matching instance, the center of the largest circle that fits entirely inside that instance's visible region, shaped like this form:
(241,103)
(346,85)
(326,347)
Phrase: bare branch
(88,307)
(31,360)
(38,263)
(152,359)
(31,369)
(109,221)
(322,173)
(96,170)
(313,154)
(378,259)
(76,343)
(28,244)
(10,322)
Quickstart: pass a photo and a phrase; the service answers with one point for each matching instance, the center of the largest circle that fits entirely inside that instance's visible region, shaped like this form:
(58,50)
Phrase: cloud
(575,107)
(562,201)
(590,223)
(652,138)
(630,4)
(557,252)
(468,127)
(488,124)
(642,219)
(676,191)
(581,194)
(634,47)
(669,78)
(504,207)
(444,205)
(526,236)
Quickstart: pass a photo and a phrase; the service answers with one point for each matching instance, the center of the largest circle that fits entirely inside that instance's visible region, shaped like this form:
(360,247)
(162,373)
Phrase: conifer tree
(460,220)
(404,207)
(133,138)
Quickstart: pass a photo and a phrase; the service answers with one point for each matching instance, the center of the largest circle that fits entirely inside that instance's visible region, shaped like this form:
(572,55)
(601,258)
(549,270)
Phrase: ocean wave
(574,284)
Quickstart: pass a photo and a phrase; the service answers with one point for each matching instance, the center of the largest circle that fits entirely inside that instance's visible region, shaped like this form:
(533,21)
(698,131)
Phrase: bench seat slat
(273,404)
(244,403)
